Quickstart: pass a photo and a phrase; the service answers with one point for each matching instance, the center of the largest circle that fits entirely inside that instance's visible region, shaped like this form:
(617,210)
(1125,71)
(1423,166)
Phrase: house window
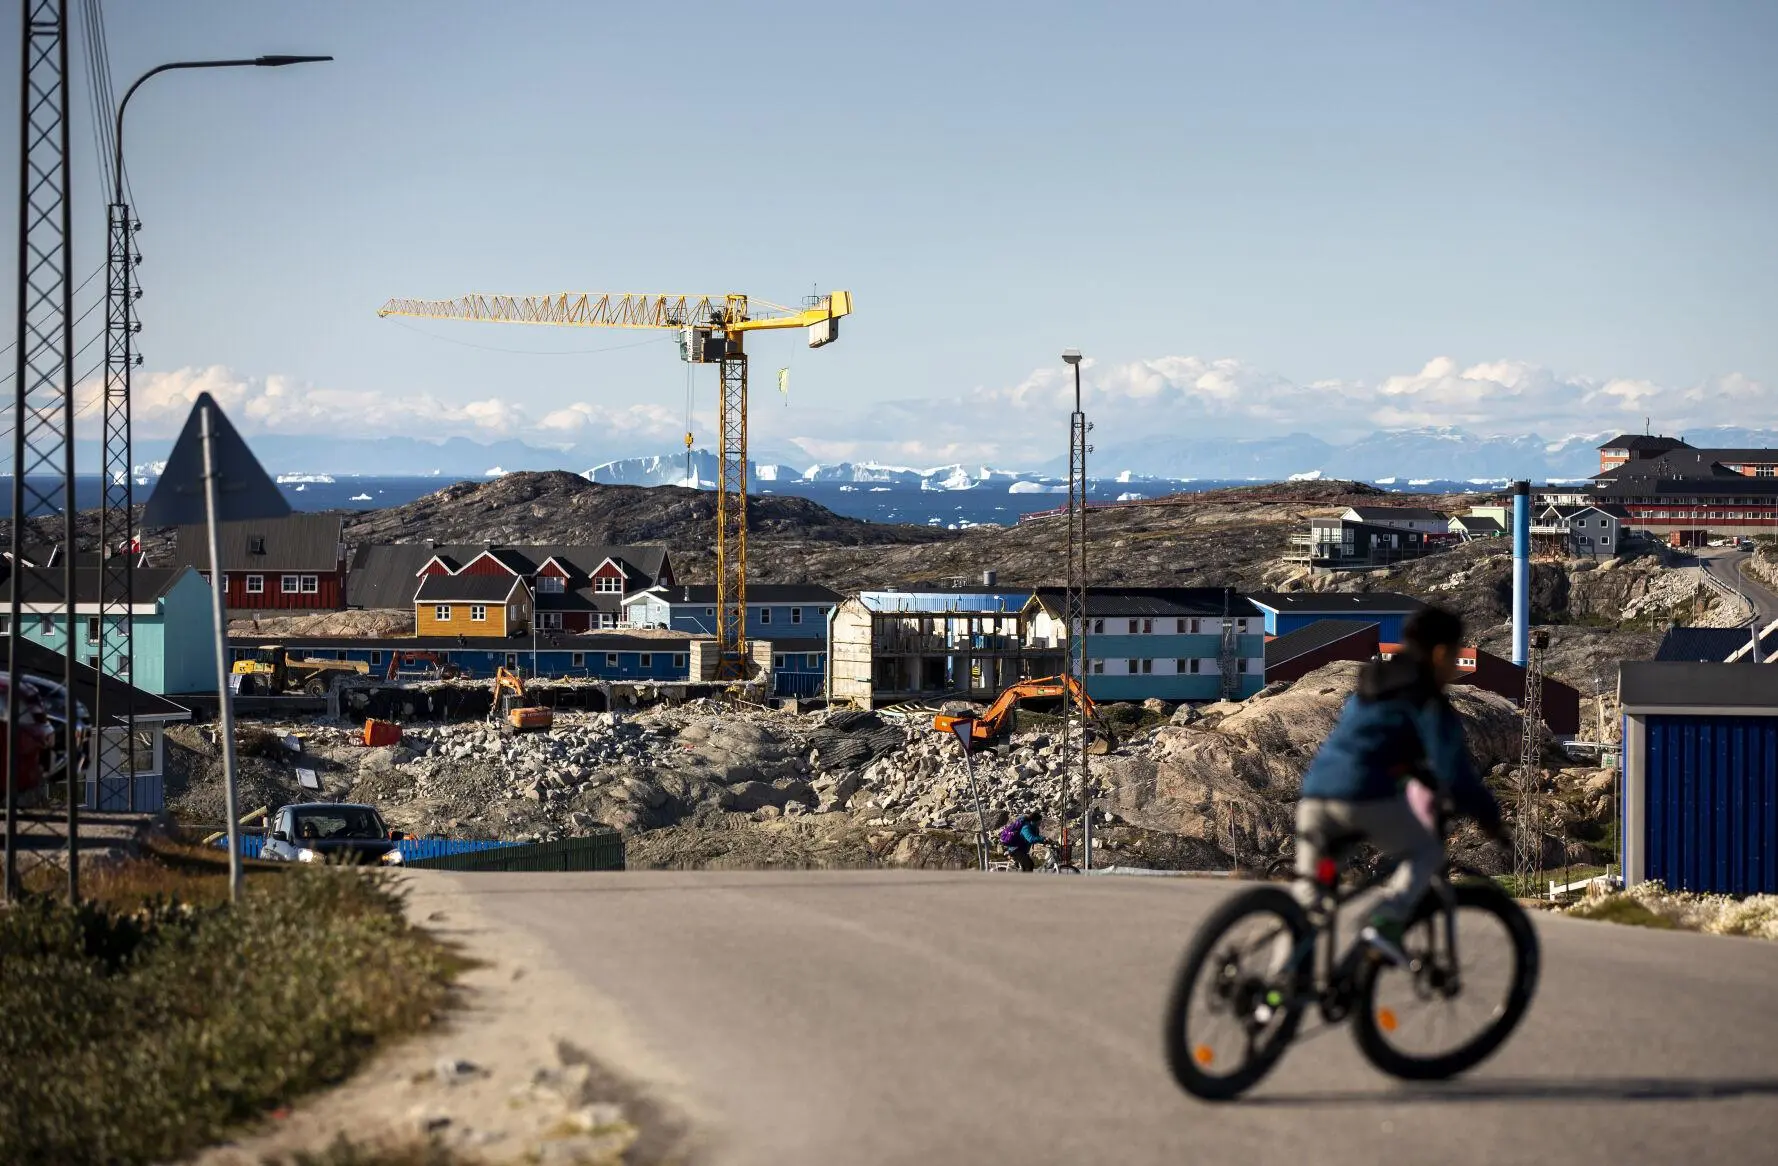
(611,659)
(1134,624)
(577,659)
(1131,667)
(256,584)
(478,613)
(1197,666)
(93,663)
(1241,664)
(549,584)
(92,629)
(814,663)
(609,585)
(1148,627)
(679,659)
(376,657)
(512,661)
(1098,627)
(549,621)
(765,615)
(607,620)
(709,611)
(1147,667)
(778,661)
(442,613)
(46,625)
(256,545)
(311,584)
(1195,627)
(290,585)
(796,615)
(1098,667)
(1181,628)
(645,660)
(5,625)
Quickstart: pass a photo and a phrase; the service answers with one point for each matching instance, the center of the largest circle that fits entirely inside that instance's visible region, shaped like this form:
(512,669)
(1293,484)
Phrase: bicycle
(1264,1005)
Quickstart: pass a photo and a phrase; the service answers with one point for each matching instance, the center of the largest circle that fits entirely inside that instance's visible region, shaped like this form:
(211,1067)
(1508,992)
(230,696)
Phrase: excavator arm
(998,718)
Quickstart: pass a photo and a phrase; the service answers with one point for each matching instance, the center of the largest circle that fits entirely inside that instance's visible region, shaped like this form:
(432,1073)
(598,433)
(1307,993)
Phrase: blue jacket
(1397,725)
(1029,836)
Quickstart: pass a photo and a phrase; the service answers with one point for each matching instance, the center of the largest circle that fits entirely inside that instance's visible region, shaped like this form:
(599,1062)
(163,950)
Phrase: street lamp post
(1075,610)
(117,481)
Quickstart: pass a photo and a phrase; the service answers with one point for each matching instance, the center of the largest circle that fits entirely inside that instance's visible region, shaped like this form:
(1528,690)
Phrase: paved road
(1730,566)
(879,1017)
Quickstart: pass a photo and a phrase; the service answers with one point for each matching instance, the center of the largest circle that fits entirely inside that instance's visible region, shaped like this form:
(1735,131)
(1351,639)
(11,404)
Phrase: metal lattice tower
(1228,656)
(1075,731)
(731,516)
(43,413)
(117,529)
(1527,832)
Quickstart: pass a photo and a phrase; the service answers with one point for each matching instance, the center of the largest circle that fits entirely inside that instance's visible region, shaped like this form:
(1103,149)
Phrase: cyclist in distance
(1397,727)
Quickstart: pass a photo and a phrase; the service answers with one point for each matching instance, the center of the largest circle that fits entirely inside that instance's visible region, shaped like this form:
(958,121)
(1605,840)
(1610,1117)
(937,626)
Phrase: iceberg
(496,472)
(1130,497)
(291,479)
(1307,476)
(359,498)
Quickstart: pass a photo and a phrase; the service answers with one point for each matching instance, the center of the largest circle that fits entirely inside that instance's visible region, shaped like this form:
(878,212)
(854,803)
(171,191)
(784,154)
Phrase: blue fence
(412,849)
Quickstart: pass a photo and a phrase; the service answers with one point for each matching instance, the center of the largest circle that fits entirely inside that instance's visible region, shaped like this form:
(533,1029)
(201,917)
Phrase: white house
(1400,518)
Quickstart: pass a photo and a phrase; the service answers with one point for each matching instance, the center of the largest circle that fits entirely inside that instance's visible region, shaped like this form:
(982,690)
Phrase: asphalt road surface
(901,1017)
(1730,566)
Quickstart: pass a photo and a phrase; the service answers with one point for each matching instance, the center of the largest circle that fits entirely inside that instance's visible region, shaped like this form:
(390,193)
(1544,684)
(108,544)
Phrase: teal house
(1178,644)
(173,639)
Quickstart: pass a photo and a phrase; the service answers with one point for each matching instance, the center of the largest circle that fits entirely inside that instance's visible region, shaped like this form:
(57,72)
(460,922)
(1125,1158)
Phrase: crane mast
(711,330)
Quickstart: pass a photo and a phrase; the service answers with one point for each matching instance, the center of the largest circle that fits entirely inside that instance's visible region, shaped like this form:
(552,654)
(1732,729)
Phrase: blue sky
(1254,218)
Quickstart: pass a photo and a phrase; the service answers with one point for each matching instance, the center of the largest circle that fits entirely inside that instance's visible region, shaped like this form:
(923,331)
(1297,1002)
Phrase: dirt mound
(367,624)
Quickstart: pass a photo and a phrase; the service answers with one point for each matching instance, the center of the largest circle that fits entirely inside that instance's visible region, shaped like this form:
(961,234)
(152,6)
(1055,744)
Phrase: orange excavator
(513,710)
(998,719)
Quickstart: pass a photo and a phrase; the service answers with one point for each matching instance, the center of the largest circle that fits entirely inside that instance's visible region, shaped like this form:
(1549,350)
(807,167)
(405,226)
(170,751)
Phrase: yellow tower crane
(710,330)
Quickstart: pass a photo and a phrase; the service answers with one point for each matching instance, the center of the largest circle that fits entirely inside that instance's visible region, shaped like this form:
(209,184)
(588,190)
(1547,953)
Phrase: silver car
(336,832)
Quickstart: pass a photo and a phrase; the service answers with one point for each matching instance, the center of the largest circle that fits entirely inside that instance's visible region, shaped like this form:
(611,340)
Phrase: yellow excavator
(513,710)
(989,726)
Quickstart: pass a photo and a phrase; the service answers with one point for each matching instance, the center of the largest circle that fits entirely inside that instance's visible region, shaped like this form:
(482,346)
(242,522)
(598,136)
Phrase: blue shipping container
(1711,803)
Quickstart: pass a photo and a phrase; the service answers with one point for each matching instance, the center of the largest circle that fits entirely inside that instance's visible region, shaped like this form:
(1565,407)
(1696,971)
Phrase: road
(1730,566)
(902,1017)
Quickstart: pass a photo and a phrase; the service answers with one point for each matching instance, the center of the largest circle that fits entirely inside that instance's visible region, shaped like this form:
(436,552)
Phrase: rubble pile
(1208,787)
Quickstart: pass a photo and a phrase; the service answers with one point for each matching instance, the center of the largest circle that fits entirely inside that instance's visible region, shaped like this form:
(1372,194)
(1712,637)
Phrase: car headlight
(307,855)
(393,858)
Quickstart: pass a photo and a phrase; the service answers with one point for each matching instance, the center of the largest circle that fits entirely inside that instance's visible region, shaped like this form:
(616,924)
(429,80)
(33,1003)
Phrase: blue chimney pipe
(1521,572)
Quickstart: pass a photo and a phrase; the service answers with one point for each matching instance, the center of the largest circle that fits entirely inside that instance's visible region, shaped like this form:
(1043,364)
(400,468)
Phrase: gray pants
(1386,823)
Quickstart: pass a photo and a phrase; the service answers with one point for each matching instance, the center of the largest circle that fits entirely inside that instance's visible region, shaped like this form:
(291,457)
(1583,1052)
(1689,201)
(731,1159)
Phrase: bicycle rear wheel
(1235,1005)
(1447,1012)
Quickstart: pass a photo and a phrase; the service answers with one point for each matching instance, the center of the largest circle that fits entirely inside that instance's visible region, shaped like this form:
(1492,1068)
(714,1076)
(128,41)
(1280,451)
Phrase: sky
(1254,219)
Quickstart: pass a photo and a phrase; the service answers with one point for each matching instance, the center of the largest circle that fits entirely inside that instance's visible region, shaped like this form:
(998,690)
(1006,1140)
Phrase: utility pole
(1075,728)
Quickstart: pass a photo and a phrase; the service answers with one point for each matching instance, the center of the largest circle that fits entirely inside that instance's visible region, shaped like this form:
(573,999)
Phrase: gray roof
(301,542)
(809,593)
(467,588)
(1155,601)
(384,575)
(1335,602)
(1648,686)
(1399,513)
(44,585)
(1479,524)
(120,698)
(1317,635)
(1643,442)
(1711,645)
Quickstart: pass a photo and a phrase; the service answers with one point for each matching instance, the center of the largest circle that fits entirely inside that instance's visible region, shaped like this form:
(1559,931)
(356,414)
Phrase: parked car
(338,832)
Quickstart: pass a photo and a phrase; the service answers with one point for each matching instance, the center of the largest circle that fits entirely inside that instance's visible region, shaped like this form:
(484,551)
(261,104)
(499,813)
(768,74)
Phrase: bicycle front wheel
(1450,1008)
(1235,1005)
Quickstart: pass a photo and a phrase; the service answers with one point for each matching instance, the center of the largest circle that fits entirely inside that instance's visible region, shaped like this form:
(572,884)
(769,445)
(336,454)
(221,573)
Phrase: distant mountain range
(1444,454)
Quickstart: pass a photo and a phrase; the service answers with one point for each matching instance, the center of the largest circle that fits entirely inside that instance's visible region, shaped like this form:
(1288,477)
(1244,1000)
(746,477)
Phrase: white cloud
(277,404)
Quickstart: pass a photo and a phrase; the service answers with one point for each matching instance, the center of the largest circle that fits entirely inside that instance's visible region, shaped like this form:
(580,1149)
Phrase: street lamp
(1075,608)
(117,473)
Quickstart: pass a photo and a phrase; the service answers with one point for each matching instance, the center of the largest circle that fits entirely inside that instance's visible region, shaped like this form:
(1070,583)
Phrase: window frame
(255,585)
(311,584)
(765,615)
(796,615)
(94,629)
(478,613)
(551,585)
(645,659)
(290,584)
(611,660)
(441,613)
(777,661)
(577,659)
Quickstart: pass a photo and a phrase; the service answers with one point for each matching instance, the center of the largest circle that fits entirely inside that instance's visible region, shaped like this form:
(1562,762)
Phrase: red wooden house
(296,563)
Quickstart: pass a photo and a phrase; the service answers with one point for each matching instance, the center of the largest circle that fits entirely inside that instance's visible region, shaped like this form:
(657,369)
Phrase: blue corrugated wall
(1712,803)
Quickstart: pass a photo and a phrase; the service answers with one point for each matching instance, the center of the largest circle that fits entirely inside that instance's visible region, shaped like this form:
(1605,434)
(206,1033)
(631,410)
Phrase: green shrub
(137,1034)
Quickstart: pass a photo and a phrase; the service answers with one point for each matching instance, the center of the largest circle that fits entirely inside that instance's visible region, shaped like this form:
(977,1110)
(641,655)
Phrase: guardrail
(1559,889)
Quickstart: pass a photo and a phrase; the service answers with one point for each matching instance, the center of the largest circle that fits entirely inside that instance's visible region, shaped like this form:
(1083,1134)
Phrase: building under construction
(968,643)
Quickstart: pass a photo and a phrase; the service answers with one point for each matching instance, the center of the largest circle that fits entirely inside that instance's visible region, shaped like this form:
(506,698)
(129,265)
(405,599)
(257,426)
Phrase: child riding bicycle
(1398,727)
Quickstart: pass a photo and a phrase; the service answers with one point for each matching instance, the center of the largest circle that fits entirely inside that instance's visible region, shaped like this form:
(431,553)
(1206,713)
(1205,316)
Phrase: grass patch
(148,1022)
(1620,909)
